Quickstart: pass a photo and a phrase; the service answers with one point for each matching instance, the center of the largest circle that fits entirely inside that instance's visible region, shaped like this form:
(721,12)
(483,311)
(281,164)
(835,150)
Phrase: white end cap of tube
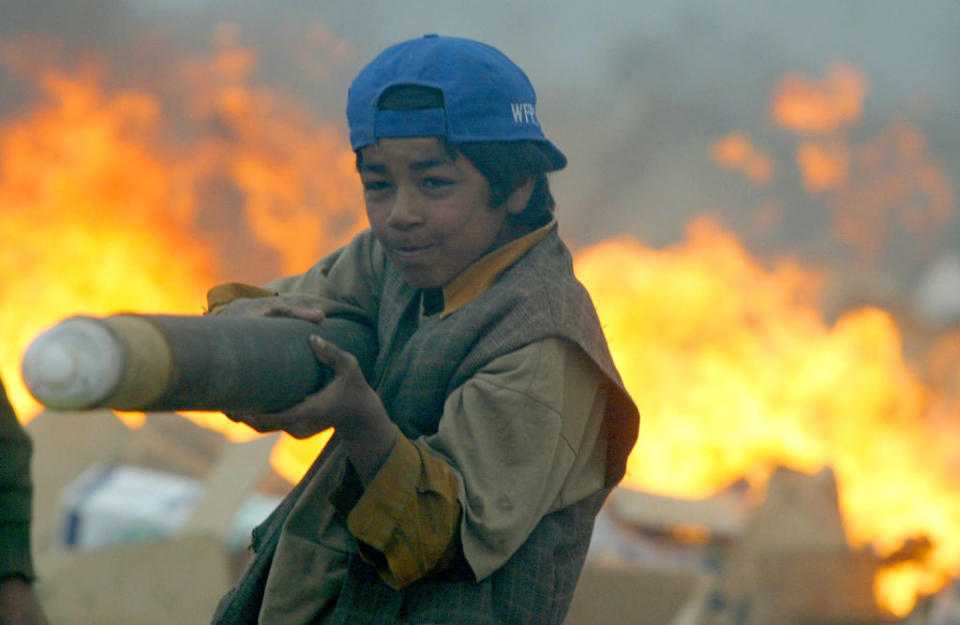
(75,365)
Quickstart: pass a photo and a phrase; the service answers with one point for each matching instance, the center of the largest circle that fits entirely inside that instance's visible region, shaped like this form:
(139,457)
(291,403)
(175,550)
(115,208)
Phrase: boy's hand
(18,603)
(299,307)
(346,403)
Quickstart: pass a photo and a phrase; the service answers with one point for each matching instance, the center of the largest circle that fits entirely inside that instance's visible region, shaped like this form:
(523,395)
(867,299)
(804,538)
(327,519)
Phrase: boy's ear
(517,201)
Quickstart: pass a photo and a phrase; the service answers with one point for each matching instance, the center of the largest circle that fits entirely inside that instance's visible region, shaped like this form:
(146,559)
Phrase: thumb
(331,355)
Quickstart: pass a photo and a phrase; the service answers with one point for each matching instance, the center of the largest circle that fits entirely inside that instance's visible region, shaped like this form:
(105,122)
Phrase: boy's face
(430,211)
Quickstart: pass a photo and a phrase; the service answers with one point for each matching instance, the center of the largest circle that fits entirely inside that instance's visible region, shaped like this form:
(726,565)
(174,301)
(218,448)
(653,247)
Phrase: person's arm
(406,519)
(18,601)
(346,283)
(521,438)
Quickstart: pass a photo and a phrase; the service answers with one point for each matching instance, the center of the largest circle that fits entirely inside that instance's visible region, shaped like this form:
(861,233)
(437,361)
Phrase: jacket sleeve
(520,439)
(15,494)
(406,521)
(345,283)
(526,437)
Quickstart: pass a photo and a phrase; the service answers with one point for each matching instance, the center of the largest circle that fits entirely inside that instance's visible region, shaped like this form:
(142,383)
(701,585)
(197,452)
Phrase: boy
(467,468)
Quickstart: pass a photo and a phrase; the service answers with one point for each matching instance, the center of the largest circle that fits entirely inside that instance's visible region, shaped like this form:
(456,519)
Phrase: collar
(478,277)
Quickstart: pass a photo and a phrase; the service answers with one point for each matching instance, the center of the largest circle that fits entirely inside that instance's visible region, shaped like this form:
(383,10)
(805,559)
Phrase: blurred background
(761,198)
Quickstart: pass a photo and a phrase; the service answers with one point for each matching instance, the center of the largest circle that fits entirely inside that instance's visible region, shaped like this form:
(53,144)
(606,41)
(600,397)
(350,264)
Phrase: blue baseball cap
(486,97)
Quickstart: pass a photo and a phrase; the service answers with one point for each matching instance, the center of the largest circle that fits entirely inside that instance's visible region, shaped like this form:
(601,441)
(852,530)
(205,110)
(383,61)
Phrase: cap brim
(557,159)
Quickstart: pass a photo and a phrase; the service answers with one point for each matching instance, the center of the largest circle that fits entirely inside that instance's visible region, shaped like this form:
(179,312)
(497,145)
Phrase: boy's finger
(310,314)
(283,309)
(329,354)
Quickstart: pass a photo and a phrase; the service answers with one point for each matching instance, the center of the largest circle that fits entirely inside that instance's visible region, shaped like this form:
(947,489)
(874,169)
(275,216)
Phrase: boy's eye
(436,183)
(376,185)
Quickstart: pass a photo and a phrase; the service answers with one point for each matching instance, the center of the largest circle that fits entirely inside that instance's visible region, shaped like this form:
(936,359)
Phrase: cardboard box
(618,593)
(117,504)
(172,581)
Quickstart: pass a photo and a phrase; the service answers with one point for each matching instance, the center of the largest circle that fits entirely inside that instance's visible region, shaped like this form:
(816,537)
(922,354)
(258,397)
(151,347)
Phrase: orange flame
(896,484)
(823,165)
(731,363)
(888,179)
(736,151)
(296,177)
(100,216)
(736,373)
(84,202)
(893,184)
(809,107)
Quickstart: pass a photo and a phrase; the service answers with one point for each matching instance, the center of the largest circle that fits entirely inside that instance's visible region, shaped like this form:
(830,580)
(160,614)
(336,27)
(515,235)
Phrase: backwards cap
(486,97)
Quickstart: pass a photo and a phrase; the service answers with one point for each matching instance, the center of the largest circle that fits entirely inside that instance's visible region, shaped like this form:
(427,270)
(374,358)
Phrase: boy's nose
(405,211)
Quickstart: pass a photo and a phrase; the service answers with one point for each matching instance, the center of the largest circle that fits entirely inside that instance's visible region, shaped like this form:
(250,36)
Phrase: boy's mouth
(411,250)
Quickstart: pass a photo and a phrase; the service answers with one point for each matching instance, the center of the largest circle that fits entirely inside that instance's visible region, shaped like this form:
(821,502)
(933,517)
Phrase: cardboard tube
(171,362)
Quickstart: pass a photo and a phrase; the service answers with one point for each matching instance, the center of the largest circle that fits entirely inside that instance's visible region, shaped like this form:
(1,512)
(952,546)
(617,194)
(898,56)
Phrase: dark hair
(506,165)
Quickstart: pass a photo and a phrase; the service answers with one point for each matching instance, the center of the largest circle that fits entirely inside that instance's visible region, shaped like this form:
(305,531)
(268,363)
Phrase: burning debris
(739,375)
(730,560)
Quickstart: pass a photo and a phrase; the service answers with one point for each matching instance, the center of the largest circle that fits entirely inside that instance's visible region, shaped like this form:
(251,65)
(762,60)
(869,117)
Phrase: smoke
(634,93)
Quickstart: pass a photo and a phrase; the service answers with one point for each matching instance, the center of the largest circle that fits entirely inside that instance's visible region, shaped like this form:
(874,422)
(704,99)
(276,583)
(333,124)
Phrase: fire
(85,221)
(895,187)
(806,106)
(735,373)
(876,188)
(787,387)
(824,165)
(103,213)
(736,151)
(296,178)
(104,207)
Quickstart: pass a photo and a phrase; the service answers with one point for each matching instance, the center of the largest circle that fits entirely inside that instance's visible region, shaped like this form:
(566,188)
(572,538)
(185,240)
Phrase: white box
(108,505)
